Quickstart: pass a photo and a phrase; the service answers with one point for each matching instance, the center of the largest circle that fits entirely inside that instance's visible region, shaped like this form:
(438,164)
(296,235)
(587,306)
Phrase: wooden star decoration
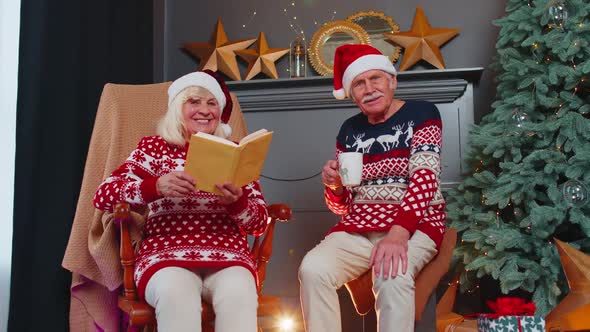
(573,312)
(218,54)
(422,42)
(261,58)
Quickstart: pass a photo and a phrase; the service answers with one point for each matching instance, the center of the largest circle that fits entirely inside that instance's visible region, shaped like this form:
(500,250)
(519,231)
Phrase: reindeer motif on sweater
(401,173)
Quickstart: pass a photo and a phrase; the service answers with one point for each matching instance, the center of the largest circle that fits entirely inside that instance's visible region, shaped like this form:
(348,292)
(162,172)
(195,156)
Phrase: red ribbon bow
(511,306)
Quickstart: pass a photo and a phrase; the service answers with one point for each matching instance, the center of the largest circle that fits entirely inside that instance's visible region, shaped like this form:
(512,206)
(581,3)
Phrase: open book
(214,160)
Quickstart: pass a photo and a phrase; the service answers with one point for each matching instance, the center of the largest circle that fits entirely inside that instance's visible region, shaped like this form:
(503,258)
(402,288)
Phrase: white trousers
(176,293)
(342,257)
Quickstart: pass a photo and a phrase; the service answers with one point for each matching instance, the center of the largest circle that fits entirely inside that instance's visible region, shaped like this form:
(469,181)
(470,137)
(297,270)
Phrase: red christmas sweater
(401,173)
(192,231)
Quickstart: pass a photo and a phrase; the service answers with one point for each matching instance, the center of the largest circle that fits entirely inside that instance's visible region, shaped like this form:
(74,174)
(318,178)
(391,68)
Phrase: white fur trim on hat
(363,64)
(226,129)
(200,79)
(339,94)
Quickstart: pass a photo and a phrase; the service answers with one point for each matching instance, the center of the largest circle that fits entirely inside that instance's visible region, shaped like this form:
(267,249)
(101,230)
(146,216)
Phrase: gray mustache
(372,97)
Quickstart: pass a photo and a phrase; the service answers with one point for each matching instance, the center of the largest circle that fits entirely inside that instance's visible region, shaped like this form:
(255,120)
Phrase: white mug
(350,167)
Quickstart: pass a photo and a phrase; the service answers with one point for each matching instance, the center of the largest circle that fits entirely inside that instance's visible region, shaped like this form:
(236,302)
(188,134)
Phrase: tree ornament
(519,118)
(558,12)
(575,193)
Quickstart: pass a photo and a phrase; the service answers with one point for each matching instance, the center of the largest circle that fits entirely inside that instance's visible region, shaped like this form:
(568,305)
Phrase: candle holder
(297,58)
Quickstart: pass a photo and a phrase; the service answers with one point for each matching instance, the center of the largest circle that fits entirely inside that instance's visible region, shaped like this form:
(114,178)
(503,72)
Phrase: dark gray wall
(193,21)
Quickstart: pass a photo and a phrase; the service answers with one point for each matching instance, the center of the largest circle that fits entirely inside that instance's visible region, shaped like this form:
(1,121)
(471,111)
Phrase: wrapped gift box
(486,323)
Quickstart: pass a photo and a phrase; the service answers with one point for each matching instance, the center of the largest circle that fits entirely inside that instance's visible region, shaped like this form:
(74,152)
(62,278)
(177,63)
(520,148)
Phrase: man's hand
(175,184)
(229,193)
(331,177)
(392,250)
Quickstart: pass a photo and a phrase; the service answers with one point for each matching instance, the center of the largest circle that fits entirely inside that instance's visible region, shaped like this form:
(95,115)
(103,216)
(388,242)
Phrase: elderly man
(395,220)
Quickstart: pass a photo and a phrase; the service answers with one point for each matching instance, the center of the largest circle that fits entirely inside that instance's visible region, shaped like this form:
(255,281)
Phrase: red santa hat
(350,60)
(215,84)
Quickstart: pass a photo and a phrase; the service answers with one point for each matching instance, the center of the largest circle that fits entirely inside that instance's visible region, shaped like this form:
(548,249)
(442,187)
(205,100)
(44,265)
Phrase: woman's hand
(176,184)
(229,193)
(391,252)
(331,177)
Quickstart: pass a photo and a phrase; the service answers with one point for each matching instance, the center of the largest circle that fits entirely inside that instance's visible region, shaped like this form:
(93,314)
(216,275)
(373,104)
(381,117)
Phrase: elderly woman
(195,243)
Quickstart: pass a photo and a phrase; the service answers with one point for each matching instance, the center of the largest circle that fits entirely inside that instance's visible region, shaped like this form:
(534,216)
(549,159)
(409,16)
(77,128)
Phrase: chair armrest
(122,219)
(430,276)
(262,252)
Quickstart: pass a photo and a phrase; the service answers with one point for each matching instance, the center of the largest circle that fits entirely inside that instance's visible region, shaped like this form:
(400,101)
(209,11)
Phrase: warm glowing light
(286,324)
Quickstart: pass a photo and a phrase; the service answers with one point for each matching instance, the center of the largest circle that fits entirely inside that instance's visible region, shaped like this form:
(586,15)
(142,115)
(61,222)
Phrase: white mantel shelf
(315,93)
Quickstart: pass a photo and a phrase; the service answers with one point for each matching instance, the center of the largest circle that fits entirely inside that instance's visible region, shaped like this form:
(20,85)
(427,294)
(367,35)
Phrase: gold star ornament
(261,58)
(422,42)
(218,54)
(573,312)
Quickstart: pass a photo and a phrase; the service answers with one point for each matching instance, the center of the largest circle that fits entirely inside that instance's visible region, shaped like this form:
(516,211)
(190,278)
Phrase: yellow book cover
(214,160)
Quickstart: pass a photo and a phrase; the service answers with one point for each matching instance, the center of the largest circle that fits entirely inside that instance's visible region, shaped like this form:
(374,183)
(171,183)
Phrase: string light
(250,19)
(292,21)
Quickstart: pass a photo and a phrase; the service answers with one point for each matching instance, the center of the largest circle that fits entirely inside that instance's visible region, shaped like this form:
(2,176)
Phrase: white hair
(172,127)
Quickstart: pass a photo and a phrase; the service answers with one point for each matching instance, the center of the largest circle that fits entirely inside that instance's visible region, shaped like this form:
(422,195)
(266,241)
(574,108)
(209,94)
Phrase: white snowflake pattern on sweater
(191,231)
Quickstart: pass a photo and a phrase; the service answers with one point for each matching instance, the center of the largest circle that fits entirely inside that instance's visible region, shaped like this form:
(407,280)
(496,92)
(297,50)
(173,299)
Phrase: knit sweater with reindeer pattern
(401,173)
(194,231)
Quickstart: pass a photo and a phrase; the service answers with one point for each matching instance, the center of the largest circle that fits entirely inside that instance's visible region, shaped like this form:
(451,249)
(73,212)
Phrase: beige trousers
(341,257)
(176,293)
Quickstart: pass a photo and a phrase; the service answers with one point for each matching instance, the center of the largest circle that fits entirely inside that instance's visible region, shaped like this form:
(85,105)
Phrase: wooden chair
(361,288)
(133,111)
(141,314)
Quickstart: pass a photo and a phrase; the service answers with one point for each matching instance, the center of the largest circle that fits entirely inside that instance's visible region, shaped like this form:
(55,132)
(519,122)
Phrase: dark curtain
(68,51)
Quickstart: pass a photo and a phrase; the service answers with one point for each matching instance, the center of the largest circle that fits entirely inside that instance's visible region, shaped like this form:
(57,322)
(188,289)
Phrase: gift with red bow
(510,314)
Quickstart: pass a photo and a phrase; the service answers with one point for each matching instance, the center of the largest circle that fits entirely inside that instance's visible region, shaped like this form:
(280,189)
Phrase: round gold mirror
(325,41)
(376,24)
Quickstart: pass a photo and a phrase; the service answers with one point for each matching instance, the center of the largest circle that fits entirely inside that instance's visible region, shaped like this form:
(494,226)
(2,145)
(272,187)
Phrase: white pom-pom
(339,94)
(226,129)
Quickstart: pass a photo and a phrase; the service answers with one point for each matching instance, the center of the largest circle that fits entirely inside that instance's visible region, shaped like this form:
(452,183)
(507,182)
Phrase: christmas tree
(528,167)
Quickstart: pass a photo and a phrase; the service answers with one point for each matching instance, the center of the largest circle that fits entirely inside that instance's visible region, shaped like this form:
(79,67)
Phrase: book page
(253,136)
(216,138)
(252,158)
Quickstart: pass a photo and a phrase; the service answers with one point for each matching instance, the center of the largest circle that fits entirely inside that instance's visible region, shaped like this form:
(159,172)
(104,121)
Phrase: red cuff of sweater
(238,206)
(149,190)
(335,198)
(407,219)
